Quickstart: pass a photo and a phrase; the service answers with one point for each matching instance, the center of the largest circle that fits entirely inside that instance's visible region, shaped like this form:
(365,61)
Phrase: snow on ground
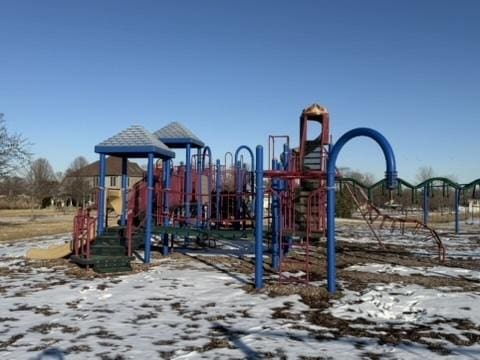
(185,309)
(425,271)
(434,314)
(18,248)
(464,245)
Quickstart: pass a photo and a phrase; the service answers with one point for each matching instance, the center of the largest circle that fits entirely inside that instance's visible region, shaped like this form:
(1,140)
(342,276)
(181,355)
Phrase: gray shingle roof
(177,134)
(134,141)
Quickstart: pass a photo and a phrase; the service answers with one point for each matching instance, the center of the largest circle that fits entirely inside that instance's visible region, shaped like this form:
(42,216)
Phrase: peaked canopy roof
(176,135)
(134,142)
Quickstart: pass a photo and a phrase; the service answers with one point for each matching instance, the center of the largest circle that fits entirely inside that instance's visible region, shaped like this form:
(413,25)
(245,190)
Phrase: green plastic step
(105,264)
(108,240)
(111,264)
(108,250)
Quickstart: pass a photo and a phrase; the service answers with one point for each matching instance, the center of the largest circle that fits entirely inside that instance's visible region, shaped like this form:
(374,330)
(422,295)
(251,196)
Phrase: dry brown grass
(28,230)
(6,213)
(22,224)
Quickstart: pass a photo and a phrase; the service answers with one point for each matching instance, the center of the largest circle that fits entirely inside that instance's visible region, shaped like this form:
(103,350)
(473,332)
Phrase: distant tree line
(27,182)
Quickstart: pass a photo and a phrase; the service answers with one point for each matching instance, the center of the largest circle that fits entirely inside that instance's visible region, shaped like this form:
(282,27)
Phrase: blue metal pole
(391,179)
(331,255)
(207,150)
(166,203)
(148,223)
(457,205)
(275,219)
(425,204)
(188,180)
(286,156)
(199,187)
(218,190)
(259,219)
(123,218)
(101,197)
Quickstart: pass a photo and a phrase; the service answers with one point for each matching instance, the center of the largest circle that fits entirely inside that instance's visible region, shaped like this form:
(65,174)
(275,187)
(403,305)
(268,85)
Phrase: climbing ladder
(376,220)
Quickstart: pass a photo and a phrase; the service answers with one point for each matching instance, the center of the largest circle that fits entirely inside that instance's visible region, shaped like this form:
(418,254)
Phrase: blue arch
(238,181)
(206,150)
(231,158)
(391,177)
(245,147)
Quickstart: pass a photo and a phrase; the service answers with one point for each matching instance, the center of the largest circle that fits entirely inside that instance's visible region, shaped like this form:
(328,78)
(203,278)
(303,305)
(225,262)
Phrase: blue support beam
(207,151)
(426,203)
(259,218)
(276,220)
(199,187)
(166,202)
(123,217)
(101,197)
(391,179)
(238,193)
(188,179)
(285,156)
(148,220)
(218,191)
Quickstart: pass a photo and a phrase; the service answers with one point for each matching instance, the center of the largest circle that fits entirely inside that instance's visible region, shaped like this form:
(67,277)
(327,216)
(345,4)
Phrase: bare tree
(75,184)
(14,151)
(424,173)
(366,178)
(12,186)
(42,181)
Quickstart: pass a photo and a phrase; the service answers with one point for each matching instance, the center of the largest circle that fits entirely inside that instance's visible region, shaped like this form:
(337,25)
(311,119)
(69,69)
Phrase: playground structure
(286,209)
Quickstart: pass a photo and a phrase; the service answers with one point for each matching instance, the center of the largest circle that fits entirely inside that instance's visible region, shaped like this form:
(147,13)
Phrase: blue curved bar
(245,147)
(206,150)
(238,174)
(391,179)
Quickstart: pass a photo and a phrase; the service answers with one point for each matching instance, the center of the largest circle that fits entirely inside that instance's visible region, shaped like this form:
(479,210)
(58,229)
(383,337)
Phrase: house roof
(134,142)
(176,135)
(113,168)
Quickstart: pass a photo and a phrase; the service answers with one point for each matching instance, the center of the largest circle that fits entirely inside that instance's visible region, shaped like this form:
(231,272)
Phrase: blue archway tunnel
(391,180)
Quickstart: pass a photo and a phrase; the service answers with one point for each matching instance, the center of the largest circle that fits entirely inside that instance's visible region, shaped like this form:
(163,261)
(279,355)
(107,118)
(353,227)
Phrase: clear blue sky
(73,73)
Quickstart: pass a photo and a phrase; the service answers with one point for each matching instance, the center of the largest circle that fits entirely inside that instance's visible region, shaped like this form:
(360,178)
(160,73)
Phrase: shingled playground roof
(134,142)
(176,135)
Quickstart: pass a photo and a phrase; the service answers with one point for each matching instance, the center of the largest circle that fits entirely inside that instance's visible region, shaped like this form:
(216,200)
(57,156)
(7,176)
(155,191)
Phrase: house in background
(113,179)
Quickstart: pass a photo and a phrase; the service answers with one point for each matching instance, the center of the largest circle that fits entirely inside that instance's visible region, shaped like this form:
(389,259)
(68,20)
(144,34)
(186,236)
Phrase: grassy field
(22,224)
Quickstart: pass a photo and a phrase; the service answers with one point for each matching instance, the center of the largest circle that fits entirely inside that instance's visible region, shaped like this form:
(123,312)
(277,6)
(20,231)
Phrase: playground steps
(107,254)
(371,214)
(105,264)
(312,159)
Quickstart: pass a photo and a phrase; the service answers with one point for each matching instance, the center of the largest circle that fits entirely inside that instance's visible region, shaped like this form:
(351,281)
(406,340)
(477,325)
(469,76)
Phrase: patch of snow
(425,271)
(407,303)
